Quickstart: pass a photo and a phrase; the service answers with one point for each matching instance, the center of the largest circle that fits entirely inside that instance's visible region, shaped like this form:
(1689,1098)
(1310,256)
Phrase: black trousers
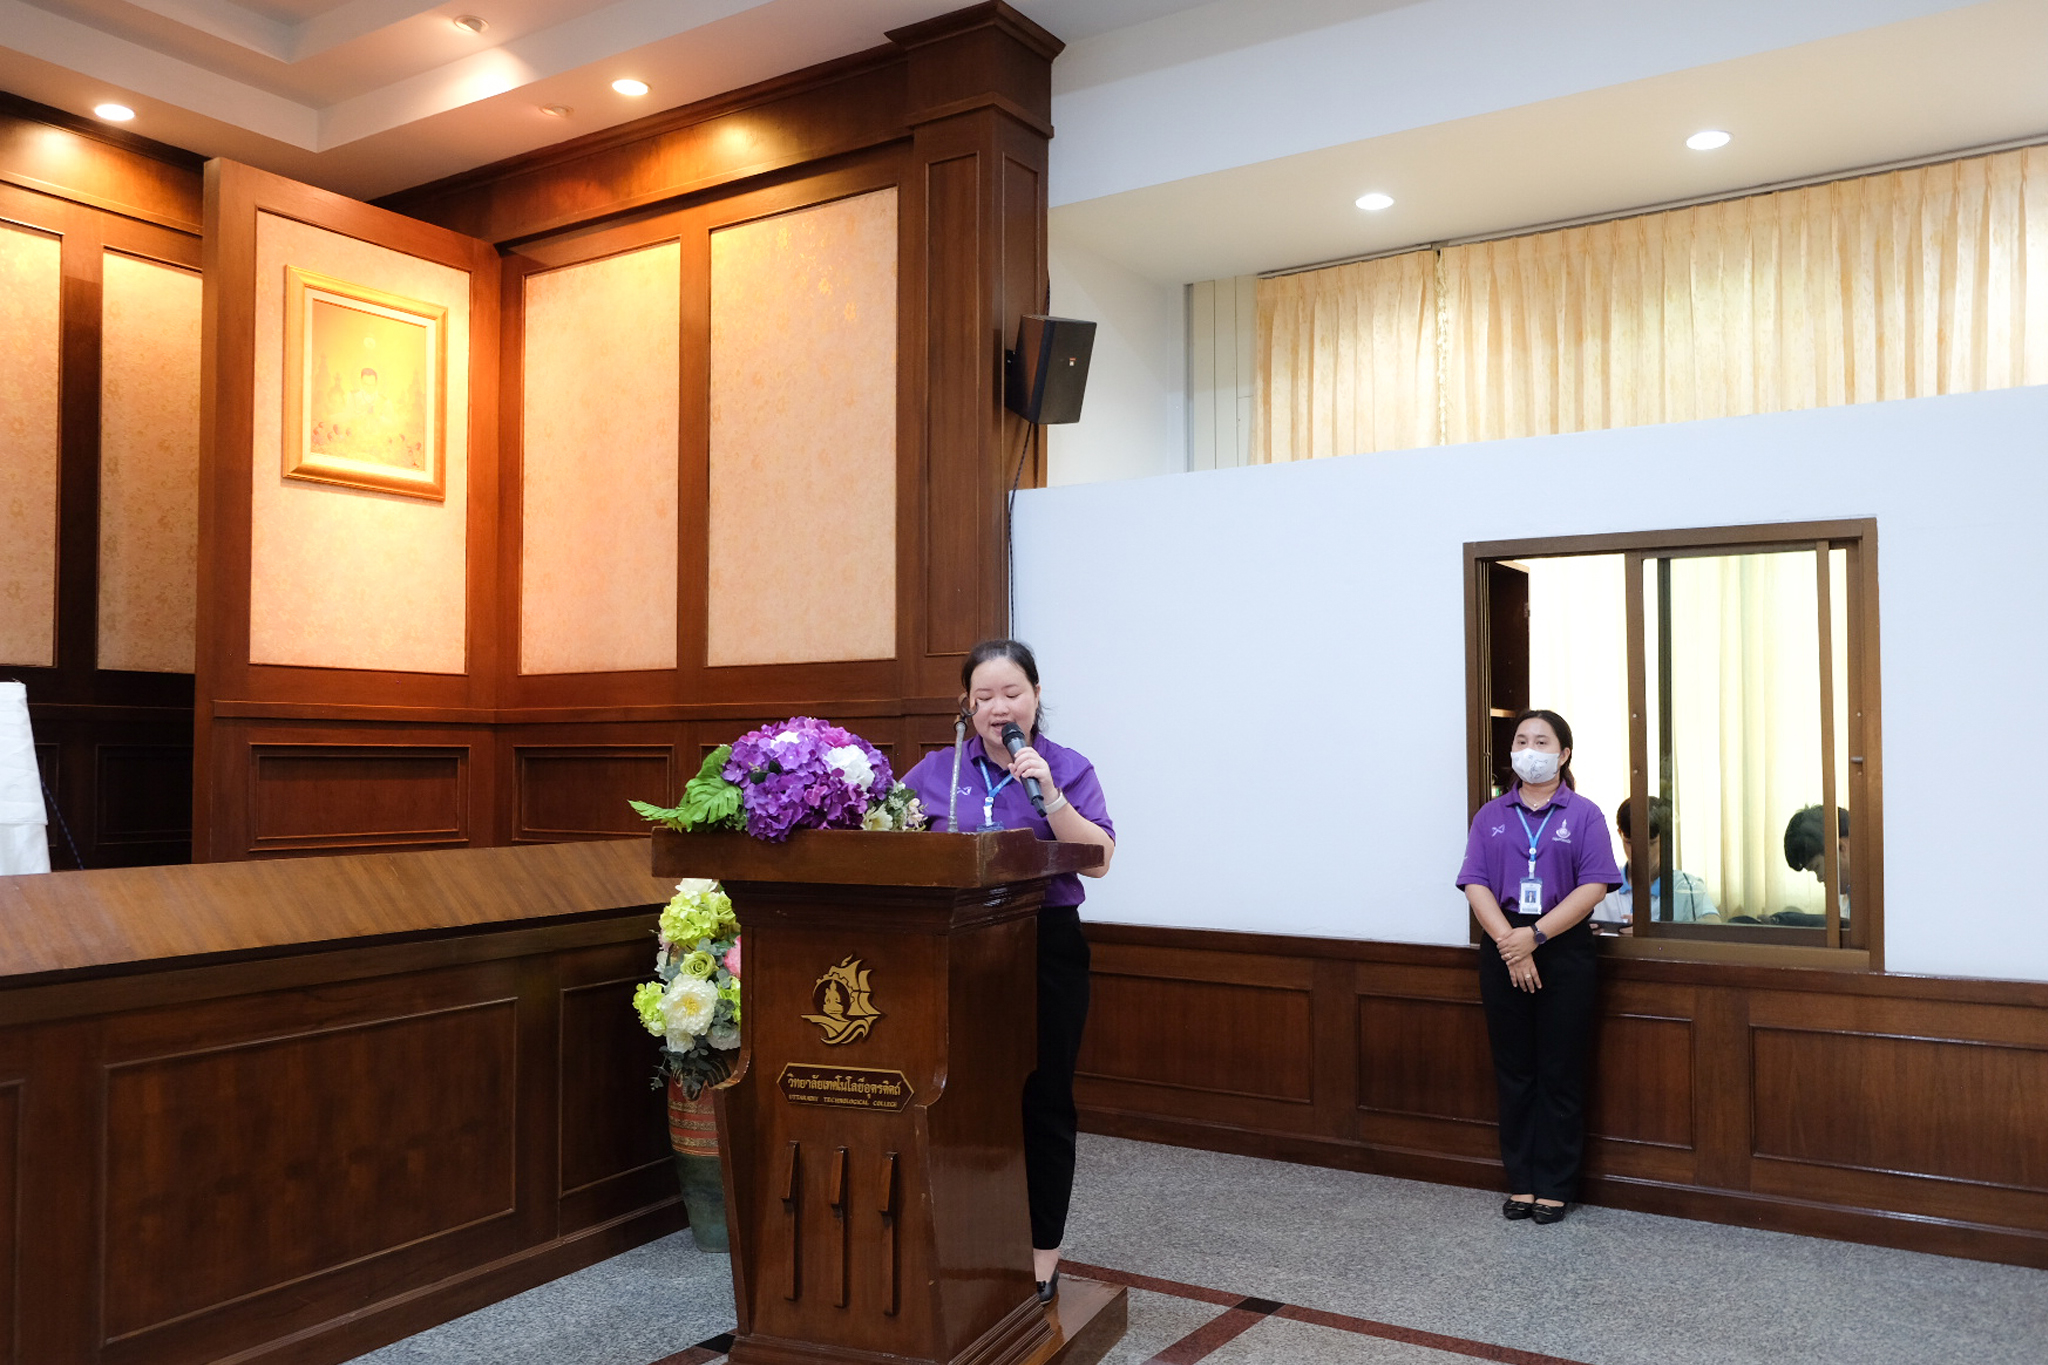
(1049,1119)
(1542,1042)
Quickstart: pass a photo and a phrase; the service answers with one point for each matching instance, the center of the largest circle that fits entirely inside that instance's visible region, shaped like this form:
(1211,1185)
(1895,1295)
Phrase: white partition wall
(1268,664)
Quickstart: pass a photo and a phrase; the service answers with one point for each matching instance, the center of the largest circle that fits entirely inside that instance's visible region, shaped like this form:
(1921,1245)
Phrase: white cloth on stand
(24,836)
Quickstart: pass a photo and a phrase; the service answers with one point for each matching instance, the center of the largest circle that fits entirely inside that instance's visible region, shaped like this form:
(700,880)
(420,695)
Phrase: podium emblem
(846,1010)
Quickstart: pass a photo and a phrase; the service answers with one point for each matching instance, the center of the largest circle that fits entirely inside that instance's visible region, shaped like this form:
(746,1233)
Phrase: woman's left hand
(1029,763)
(1516,944)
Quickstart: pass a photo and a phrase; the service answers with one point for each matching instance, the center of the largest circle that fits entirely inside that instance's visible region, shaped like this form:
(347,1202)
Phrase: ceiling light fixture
(1707,139)
(1374,202)
(113,113)
(630,87)
(556,110)
(469,23)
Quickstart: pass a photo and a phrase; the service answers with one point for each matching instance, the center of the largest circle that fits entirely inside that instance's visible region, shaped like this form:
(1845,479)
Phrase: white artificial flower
(725,1037)
(853,765)
(694,887)
(878,818)
(688,1006)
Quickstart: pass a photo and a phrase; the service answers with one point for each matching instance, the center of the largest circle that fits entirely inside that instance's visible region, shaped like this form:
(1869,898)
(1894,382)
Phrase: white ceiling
(369,96)
(1967,77)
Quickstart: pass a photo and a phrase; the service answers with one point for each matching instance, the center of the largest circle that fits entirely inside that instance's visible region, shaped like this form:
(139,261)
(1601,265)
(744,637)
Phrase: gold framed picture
(365,380)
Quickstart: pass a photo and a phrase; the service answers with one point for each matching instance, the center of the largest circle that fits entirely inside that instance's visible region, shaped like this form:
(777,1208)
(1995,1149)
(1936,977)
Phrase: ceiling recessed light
(113,113)
(556,110)
(469,23)
(630,87)
(1374,202)
(1707,139)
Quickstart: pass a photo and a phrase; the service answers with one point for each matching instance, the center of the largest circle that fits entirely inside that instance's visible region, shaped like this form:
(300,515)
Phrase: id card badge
(1532,895)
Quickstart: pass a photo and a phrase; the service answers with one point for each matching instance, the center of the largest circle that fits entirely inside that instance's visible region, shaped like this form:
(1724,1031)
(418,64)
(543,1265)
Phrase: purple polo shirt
(1574,850)
(1072,774)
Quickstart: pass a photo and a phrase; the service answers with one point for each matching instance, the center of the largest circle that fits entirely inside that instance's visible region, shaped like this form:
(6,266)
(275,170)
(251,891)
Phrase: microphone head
(1013,737)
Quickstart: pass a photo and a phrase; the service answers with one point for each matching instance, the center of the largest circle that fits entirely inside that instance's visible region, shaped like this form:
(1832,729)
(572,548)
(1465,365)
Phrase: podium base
(1085,1322)
(1088,1318)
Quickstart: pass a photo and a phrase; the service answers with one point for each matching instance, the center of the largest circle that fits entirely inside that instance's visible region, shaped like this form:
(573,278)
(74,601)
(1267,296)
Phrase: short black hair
(1018,653)
(1660,818)
(1803,838)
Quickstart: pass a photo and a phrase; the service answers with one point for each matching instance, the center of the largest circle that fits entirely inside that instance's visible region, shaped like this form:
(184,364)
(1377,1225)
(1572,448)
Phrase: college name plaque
(845,1087)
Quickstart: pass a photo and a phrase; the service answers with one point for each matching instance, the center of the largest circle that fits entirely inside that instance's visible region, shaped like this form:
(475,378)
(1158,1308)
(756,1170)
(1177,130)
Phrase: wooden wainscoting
(1902,1111)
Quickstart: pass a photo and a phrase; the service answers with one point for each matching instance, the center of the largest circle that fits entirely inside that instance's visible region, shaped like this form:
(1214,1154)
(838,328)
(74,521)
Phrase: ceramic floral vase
(693,1133)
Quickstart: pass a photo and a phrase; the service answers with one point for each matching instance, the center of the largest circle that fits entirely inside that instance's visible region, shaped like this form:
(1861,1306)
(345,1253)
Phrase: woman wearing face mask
(1537,862)
(999,682)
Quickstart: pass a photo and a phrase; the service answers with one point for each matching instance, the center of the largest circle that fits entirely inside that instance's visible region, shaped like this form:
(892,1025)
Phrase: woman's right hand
(1525,976)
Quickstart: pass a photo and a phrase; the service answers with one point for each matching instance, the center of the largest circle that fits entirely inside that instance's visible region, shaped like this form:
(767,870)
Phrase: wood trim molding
(119,172)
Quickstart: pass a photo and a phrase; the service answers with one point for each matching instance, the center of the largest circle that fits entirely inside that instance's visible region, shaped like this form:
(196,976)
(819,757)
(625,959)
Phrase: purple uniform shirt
(1072,774)
(1572,851)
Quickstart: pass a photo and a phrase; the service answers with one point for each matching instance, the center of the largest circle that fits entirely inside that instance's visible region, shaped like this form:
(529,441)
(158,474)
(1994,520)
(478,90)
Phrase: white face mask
(1534,765)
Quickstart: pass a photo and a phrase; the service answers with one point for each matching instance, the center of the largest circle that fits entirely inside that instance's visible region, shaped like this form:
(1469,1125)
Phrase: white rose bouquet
(694,1005)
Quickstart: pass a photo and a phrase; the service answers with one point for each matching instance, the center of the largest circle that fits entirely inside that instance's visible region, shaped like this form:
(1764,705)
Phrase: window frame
(1865,794)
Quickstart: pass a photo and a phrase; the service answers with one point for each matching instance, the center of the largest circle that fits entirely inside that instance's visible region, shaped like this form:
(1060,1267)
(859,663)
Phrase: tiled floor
(1232,1261)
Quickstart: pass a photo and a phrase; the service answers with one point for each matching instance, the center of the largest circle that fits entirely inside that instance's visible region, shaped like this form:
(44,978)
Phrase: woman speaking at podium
(1538,860)
(999,683)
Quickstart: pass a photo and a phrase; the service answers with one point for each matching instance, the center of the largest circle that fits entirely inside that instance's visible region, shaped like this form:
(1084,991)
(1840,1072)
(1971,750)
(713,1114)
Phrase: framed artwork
(365,379)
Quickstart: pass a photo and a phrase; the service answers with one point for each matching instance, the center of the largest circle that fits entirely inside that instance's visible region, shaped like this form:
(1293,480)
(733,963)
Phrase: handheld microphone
(1013,740)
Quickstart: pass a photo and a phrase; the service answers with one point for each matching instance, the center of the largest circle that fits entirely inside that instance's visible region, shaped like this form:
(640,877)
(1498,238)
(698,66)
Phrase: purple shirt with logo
(1072,774)
(1572,851)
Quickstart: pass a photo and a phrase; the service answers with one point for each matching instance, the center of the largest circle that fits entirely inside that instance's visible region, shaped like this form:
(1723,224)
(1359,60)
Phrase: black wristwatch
(1541,937)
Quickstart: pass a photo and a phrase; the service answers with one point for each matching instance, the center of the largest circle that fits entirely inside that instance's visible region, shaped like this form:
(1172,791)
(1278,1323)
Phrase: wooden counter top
(117,918)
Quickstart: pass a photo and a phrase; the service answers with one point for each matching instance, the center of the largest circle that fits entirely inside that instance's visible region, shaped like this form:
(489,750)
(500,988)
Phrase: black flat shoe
(1049,1289)
(1543,1215)
(1512,1209)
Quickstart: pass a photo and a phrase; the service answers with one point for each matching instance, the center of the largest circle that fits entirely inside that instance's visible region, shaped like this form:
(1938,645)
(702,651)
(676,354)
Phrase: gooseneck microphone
(1013,740)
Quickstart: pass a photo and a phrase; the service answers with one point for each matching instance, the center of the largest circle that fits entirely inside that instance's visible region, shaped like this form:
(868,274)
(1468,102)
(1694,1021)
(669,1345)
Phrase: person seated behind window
(1689,905)
(1806,851)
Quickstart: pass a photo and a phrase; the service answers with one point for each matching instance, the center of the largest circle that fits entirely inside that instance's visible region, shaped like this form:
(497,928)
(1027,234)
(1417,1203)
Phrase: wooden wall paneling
(353,796)
(106,168)
(580,789)
(1722,1113)
(1162,1012)
(13,1087)
(60,1156)
(980,102)
(791,121)
(75,706)
(293,788)
(302,1155)
(614,1146)
(1642,1085)
(1899,1111)
(145,799)
(228,684)
(280,1153)
(777,686)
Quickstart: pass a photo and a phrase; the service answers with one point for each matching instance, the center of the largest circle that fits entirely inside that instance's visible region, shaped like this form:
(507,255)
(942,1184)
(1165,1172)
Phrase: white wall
(1134,415)
(1242,81)
(1268,664)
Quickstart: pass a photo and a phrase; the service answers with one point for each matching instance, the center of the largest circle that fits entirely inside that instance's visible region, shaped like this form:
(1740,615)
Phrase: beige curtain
(1347,360)
(1746,719)
(1900,285)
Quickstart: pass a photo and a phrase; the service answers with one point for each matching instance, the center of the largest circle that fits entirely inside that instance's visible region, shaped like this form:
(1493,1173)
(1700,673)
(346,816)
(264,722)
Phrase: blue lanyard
(988,806)
(1536,834)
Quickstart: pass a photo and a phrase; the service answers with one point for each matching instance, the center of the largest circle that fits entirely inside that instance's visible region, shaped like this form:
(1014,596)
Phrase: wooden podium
(873,1133)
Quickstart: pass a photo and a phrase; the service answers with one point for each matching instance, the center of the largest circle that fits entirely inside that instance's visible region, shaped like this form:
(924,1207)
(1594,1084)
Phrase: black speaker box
(1045,376)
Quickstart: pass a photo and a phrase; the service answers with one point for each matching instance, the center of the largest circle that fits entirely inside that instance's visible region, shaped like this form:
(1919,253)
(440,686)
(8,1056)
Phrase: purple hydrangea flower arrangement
(805,774)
